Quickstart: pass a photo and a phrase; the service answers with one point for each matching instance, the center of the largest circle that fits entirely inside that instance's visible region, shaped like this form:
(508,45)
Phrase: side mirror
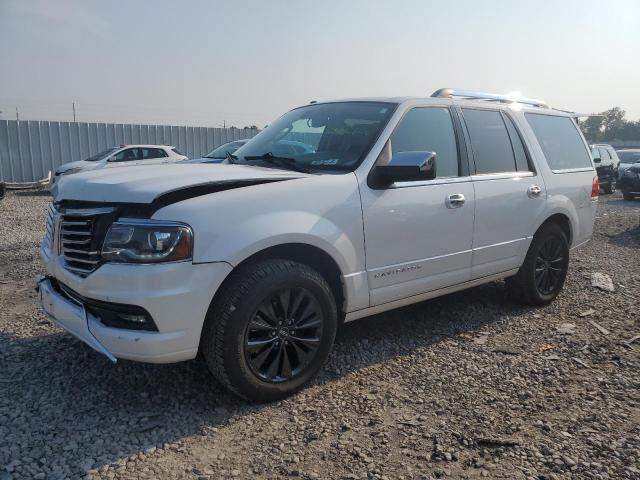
(597,160)
(406,167)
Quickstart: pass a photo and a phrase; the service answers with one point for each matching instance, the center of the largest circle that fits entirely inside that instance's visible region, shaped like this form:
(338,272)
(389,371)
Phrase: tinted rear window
(560,141)
(490,141)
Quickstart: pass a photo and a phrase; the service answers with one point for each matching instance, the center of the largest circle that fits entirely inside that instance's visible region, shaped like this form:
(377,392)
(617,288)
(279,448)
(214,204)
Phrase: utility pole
(73,104)
(17,114)
(224,124)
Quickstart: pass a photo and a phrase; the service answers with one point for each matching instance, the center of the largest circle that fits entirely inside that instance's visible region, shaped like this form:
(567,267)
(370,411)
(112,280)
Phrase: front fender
(252,235)
(323,211)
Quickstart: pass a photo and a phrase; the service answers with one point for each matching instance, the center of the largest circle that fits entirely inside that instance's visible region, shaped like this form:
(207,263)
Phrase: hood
(142,184)
(84,165)
(206,160)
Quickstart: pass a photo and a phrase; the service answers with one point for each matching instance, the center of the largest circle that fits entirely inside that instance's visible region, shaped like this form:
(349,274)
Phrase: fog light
(132,318)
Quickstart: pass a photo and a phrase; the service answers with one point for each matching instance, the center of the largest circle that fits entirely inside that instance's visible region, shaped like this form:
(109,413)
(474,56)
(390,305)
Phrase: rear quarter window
(560,141)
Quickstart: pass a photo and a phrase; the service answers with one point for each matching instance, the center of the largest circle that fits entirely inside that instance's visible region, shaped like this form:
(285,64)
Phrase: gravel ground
(470,386)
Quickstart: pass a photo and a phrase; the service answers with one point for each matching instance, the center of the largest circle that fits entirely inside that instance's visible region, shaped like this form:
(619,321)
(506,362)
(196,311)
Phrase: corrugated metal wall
(30,149)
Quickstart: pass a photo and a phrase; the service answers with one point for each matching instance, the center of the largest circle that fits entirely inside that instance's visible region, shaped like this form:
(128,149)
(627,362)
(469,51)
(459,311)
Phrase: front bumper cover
(70,316)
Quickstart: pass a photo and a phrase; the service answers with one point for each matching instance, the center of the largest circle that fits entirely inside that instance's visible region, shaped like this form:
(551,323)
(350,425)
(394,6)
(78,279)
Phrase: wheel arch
(307,254)
(563,221)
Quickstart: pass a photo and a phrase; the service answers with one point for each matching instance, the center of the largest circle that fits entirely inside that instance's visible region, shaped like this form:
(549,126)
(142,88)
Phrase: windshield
(629,157)
(329,136)
(223,150)
(100,156)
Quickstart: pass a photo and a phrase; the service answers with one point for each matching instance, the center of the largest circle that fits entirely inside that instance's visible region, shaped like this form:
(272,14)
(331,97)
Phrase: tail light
(595,188)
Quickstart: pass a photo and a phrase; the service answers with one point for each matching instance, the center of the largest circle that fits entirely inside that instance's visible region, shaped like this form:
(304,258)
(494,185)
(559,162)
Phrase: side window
(560,141)
(522,160)
(428,129)
(595,153)
(150,153)
(490,141)
(604,154)
(176,151)
(126,155)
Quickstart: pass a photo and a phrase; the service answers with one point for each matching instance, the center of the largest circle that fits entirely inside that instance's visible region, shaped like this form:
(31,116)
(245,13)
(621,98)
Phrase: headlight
(148,242)
(629,173)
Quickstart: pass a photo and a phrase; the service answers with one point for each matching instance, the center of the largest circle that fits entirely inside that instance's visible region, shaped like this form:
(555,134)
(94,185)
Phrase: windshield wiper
(289,163)
(231,158)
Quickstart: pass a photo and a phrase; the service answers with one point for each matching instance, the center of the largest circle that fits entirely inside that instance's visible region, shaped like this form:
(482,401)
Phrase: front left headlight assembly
(148,242)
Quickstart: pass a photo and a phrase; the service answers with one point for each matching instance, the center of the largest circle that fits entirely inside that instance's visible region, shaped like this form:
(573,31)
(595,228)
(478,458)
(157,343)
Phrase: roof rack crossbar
(493,97)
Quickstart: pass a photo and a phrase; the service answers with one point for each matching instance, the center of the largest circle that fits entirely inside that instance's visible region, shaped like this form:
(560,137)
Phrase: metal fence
(30,149)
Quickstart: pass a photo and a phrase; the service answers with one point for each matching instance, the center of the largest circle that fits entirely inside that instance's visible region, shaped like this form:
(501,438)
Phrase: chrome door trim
(436,181)
(480,177)
(573,170)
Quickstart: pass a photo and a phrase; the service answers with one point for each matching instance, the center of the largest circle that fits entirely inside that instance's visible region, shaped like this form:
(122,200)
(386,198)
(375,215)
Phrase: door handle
(534,191)
(455,200)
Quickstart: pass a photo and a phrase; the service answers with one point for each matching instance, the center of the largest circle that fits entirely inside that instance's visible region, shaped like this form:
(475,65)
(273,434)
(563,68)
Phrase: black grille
(81,236)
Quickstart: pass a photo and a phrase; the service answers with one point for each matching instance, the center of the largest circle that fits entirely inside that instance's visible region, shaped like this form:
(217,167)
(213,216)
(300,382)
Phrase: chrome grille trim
(77,242)
(47,241)
(78,239)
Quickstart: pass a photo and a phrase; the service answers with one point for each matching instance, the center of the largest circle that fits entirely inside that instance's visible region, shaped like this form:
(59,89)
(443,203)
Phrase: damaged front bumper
(69,315)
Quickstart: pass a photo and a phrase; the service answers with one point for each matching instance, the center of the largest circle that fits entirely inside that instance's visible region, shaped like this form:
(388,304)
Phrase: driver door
(418,235)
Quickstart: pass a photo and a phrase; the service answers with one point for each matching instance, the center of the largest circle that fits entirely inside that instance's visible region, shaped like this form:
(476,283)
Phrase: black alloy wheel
(544,270)
(550,265)
(270,328)
(283,336)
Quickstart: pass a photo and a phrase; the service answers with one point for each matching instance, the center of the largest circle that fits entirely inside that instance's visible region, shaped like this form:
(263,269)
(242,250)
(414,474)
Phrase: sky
(209,63)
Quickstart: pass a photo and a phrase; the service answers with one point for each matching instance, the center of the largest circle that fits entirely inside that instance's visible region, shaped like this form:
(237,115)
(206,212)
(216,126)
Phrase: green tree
(613,122)
(592,128)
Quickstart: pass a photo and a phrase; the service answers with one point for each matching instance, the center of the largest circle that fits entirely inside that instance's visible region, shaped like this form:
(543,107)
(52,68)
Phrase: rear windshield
(560,141)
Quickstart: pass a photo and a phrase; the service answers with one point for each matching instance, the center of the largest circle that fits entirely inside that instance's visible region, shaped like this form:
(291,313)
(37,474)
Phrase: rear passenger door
(510,195)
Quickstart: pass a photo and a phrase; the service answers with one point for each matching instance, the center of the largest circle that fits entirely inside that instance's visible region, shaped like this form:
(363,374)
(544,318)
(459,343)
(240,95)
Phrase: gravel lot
(470,385)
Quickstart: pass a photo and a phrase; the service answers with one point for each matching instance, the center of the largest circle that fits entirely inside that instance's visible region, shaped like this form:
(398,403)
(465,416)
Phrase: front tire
(270,329)
(628,196)
(544,270)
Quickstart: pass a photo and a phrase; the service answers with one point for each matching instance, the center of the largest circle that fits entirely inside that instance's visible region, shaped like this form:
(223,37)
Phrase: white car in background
(121,156)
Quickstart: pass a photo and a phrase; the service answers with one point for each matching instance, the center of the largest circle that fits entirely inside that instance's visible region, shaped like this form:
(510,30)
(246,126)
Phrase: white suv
(257,261)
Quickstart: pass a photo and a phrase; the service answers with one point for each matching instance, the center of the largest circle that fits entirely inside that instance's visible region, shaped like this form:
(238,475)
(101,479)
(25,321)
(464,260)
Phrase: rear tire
(270,329)
(611,186)
(544,270)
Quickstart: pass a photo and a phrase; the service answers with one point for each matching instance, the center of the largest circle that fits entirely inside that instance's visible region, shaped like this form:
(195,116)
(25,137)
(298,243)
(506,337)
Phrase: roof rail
(492,97)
